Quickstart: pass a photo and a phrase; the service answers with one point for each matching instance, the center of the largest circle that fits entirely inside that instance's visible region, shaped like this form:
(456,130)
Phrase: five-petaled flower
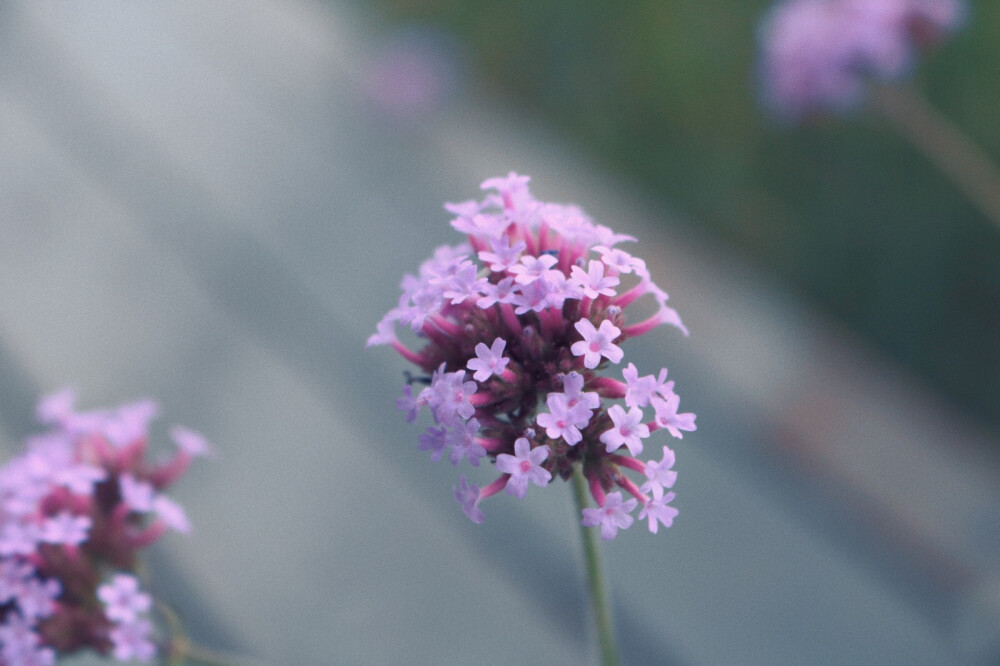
(489,361)
(597,342)
(524,466)
(628,430)
(515,326)
(612,515)
(122,599)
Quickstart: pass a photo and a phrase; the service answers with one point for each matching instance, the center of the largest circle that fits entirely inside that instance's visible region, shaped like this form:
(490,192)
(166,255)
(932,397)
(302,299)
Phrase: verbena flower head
(818,55)
(75,510)
(519,336)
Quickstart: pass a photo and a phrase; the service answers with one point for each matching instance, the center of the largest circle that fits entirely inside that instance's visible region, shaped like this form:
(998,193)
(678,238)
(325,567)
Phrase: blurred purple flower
(78,504)
(122,599)
(412,73)
(818,55)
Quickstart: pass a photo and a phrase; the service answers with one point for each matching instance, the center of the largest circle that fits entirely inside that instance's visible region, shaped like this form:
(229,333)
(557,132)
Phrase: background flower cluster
(76,507)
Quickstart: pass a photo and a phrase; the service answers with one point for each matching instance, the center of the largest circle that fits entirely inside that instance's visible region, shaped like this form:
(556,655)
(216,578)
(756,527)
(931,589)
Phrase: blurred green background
(842,209)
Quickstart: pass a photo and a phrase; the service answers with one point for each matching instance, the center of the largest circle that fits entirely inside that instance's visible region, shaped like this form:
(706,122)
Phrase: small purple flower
(30,656)
(129,423)
(190,442)
(524,466)
(597,342)
(79,478)
(511,193)
(19,538)
(659,473)
(619,260)
(409,404)
(489,361)
(613,516)
(435,441)
(628,430)
(137,495)
(532,268)
(37,598)
(57,407)
(171,513)
(560,421)
(18,640)
(577,398)
(448,396)
(122,599)
(503,291)
(503,255)
(14,573)
(642,389)
(66,528)
(536,296)
(467,495)
(462,442)
(132,640)
(464,284)
(479,226)
(593,282)
(658,510)
(667,416)
(385,333)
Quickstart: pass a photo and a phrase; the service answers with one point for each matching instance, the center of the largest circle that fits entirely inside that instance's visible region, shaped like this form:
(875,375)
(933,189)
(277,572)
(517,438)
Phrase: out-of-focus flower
(515,326)
(818,55)
(411,73)
(75,510)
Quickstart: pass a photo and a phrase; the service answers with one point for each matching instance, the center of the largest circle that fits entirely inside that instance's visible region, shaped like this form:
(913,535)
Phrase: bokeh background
(212,204)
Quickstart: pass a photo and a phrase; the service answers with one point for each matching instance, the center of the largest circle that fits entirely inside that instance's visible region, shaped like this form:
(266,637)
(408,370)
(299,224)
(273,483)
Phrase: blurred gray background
(211,204)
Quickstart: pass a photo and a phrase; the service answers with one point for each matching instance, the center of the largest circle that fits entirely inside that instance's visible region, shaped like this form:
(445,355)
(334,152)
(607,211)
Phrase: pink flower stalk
(515,327)
(819,54)
(75,509)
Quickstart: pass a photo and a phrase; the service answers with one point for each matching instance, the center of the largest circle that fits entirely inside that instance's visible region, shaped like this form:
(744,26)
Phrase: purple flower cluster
(818,54)
(75,509)
(516,324)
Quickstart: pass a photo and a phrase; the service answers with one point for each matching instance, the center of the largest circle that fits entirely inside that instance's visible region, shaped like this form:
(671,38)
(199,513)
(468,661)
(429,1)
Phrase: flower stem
(180,649)
(595,577)
(950,150)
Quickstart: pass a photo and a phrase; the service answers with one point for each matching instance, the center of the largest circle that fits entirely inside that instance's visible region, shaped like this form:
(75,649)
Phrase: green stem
(951,151)
(189,653)
(196,656)
(595,577)
(180,649)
